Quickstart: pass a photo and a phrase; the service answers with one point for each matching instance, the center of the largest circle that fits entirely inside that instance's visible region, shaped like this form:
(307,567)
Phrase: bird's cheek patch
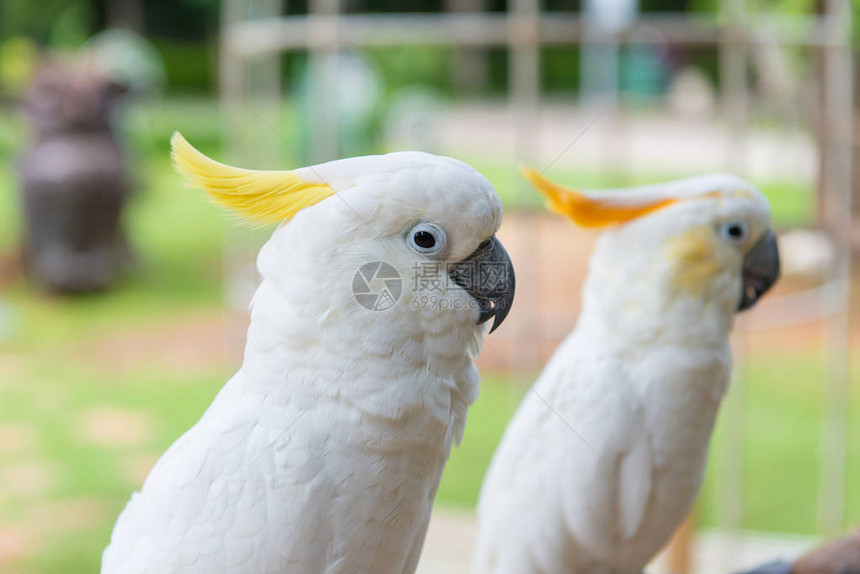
(591,211)
(697,258)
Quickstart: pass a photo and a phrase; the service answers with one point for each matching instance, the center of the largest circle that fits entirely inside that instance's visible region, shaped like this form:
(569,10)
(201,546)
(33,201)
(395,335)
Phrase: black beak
(760,270)
(488,276)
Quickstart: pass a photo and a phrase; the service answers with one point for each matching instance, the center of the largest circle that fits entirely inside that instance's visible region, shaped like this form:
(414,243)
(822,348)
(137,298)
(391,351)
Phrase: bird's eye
(427,239)
(735,230)
(424,239)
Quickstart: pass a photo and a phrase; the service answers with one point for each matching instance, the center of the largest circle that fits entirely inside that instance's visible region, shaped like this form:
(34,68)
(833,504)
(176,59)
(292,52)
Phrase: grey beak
(760,270)
(488,276)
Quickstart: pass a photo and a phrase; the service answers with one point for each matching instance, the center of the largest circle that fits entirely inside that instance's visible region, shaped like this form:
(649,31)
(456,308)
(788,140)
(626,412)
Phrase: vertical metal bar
(524,92)
(232,97)
(322,103)
(249,94)
(524,76)
(470,63)
(231,76)
(599,55)
(733,79)
(839,113)
(263,101)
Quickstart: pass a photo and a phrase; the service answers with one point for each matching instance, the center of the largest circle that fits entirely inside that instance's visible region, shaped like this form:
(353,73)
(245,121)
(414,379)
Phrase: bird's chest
(393,488)
(368,488)
(679,412)
(679,407)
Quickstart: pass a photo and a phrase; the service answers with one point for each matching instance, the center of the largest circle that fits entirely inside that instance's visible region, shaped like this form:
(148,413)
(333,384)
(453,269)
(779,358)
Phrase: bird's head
(685,249)
(392,237)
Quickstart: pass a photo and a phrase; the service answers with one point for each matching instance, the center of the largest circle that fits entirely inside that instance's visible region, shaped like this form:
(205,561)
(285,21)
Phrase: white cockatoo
(324,451)
(604,459)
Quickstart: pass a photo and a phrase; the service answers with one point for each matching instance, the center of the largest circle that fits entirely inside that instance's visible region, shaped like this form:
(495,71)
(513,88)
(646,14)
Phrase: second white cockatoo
(324,451)
(604,459)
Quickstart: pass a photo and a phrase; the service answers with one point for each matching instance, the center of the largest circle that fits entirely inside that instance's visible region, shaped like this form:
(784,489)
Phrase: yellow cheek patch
(587,211)
(697,258)
(260,196)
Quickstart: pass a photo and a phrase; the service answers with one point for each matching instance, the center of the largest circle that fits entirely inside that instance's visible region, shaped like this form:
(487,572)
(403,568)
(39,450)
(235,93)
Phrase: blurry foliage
(562,5)
(18,59)
(664,5)
(37,19)
(559,69)
(406,65)
(185,33)
(402,6)
(190,66)
(855,27)
(706,59)
(784,7)
(706,6)
(185,20)
(72,26)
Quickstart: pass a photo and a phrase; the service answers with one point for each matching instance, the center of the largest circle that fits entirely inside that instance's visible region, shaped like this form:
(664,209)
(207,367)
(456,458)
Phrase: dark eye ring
(427,238)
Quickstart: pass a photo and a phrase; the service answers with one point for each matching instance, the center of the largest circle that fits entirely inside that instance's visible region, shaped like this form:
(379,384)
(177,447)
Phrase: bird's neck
(390,365)
(647,312)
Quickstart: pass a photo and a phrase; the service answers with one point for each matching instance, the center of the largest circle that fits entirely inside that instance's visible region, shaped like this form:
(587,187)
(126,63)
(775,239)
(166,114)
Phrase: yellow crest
(597,210)
(261,196)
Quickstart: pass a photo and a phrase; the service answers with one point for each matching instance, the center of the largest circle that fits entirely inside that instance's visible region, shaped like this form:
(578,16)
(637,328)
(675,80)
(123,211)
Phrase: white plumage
(596,482)
(324,452)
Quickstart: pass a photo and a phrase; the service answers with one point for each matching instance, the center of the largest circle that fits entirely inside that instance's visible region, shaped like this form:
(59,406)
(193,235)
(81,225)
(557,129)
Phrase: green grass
(50,398)
(487,420)
(782,429)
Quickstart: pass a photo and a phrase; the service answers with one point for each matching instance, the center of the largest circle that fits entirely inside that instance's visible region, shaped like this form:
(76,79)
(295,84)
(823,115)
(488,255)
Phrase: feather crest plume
(599,209)
(257,195)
